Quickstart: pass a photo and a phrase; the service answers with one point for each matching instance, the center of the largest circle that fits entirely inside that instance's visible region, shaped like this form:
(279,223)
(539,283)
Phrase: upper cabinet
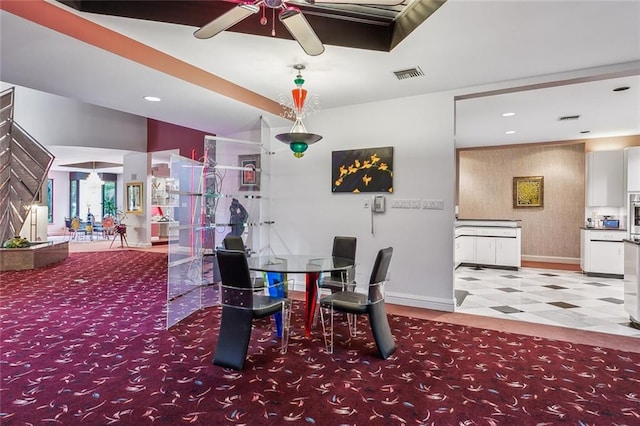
(633,168)
(605,179)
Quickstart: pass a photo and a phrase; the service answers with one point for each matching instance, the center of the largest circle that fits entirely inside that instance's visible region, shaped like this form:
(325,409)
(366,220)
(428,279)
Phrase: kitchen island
(488,242)
(632,280)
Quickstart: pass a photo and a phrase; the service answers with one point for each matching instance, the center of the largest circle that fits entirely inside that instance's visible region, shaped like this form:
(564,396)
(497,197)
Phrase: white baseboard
(403,299)
(551,259)
(435,303)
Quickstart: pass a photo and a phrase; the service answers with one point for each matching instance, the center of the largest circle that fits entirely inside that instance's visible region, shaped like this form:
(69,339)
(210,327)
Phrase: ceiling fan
(290,16)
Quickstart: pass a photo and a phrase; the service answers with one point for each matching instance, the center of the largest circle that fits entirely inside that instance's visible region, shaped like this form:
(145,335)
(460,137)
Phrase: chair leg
(381,331)
(352,322)
(286,322)
(233,339)
(328,345)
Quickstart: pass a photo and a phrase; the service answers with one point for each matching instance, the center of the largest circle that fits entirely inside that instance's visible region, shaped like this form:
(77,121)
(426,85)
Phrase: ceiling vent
(568,117)
(410,73)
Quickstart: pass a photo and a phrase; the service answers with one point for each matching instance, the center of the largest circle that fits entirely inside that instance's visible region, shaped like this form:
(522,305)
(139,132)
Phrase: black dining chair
(240,306)
(343,247)
(233,242)
(372,304)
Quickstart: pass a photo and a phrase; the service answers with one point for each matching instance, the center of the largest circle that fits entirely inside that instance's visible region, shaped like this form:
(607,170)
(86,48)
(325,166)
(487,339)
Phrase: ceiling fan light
(299,27)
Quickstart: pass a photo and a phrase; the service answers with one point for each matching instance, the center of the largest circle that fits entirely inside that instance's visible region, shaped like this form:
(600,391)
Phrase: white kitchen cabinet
(507,252)
(490,246)
(607,257)
(465,249)
(486,250)
(633,168)
(602,252)
(605,179)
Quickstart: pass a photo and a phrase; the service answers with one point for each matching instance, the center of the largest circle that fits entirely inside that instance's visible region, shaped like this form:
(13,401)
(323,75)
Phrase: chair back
(75,223)
(108,222)
(379,275)
(237,289)
(232,242)
(67,223)
(344,247)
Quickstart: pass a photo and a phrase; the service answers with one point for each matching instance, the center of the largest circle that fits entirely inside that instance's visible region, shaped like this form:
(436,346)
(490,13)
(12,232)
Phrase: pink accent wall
(163,136)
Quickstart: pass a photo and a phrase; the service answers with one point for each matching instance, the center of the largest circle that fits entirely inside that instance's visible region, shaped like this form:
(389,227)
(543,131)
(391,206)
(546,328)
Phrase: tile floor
(544,296)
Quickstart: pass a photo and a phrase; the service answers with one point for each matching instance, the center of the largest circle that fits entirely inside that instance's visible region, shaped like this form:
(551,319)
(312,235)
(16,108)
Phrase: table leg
(310,302)
(274,278)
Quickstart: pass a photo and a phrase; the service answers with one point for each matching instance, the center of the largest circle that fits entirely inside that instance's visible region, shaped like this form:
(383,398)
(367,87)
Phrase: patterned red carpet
(84,342)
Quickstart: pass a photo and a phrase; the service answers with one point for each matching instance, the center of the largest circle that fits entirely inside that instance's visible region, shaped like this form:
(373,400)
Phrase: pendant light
(298,138)
(93,180)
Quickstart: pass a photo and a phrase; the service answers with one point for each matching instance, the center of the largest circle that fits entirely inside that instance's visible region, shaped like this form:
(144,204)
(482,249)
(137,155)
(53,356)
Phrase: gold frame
(133,197)
(528,191)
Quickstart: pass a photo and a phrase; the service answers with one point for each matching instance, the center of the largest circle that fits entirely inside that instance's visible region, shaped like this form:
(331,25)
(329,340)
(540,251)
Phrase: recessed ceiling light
(509,132)
(621,89)
(508,114)
(152,98)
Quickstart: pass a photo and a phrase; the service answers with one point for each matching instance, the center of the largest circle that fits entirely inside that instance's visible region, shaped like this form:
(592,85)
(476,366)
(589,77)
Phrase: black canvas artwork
(362,170)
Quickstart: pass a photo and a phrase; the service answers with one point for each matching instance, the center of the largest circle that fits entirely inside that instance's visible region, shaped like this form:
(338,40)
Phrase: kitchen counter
(636,242)
(502,223)
(600,228)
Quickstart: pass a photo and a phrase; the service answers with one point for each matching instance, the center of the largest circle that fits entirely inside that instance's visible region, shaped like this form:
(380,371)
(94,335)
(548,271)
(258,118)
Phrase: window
(50,199)
(74,196)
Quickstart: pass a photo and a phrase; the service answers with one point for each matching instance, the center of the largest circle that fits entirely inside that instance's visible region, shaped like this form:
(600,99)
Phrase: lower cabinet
(465,249)
(602,251)
(491,246)
(507,252)
(486,250)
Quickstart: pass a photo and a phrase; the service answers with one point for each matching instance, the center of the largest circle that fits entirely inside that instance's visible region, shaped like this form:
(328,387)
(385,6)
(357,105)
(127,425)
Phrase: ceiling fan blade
(227,20)
(300,29)
(370,2)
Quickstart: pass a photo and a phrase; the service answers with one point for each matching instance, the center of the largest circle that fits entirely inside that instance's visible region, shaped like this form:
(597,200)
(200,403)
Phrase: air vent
(568,117)
(410,73)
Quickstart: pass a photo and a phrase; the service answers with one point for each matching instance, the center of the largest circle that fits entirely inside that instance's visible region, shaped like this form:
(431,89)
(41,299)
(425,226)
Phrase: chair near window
(108,226)
(77,227)
(355,303)
(240,306)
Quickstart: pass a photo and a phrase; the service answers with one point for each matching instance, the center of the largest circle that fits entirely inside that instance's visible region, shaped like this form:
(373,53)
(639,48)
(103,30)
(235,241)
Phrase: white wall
(137,168)
(60,201)
(307,214)
(54,120)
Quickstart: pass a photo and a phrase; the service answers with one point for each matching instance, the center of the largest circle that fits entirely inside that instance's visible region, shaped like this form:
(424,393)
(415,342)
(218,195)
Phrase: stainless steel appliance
(634,215)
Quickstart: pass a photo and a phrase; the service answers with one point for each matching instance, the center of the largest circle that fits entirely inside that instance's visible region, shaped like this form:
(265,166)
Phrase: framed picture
(362,170)
(528,191)
(250,173)
(134,197)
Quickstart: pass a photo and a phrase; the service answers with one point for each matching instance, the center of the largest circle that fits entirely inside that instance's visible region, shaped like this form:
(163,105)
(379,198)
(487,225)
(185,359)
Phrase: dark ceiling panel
(362,27)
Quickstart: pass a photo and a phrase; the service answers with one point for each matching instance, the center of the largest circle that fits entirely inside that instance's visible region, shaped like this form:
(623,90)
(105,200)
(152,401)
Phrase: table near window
(312,266)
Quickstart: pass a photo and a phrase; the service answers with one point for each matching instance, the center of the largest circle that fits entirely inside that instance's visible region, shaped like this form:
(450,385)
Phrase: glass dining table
(276,267)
